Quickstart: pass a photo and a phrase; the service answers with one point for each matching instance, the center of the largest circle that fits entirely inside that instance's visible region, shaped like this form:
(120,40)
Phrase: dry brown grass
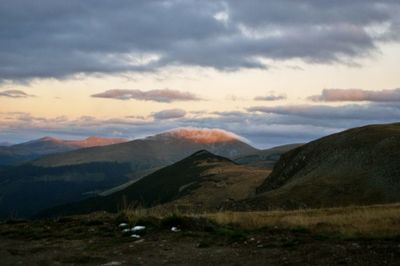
(377,221)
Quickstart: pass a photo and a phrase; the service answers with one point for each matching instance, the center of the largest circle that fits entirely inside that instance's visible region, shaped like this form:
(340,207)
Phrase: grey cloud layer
(165,95)
(15,94)
(355,95)
(169,114)
(270,98)
(57,38)
(263,126)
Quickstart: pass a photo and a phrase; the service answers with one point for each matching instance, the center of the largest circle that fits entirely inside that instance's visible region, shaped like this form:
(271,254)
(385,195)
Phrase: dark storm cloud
(165,95)
(357,95)
(15,94)
(56,38)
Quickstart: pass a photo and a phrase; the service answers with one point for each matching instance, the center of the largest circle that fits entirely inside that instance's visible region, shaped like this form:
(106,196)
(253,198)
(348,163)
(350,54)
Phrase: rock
(123,225)
(135,236)
(138,228)
(175,229)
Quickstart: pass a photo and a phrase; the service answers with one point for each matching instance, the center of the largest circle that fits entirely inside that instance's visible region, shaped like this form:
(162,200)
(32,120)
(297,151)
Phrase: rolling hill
(149,154)
(265,158)
(360,166)
(71,176)
(201,181)
(30,150)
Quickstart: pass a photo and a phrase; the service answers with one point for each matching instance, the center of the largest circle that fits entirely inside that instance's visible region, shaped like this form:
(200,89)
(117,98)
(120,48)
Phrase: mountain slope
(27,189)
(202,180)
(355,167)
(266,158)
(49,145)
(151,153)
(59,175)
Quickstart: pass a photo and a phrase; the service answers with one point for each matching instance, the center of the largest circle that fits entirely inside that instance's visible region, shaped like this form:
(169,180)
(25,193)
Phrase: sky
(273,72)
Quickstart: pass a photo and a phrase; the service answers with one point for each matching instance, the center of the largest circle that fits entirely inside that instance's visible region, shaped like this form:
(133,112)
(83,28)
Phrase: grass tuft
(376,221)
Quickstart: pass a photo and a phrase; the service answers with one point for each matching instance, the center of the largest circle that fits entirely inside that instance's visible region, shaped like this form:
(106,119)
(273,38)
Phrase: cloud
(346,112)
(15,94)
(356,95)
(59,39)
(165,95)
(263,126)
(271,97)
(169,114)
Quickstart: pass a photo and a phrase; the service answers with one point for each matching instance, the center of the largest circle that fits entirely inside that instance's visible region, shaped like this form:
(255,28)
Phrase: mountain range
(18,153)
(65,172)
(206,170)
(359,166)
(149,154)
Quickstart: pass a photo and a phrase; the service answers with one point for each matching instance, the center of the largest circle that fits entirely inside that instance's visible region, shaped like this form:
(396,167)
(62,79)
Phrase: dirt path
(77,242)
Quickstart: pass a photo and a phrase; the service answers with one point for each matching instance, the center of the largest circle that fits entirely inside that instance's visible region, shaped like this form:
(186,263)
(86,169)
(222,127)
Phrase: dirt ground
(71,241)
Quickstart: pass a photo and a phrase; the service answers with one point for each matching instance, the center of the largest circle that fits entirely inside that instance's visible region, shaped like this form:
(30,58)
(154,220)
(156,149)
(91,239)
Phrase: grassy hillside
(202,180)
(355,167)
(266,158)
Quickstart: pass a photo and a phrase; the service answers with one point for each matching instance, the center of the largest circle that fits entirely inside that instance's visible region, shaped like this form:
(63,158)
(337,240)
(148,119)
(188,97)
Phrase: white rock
(138,228)
(123,225)
(126,230)
(135,236)
(175,229)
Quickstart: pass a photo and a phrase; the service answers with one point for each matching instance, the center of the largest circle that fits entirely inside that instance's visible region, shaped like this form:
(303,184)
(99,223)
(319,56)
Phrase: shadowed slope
(355,167)
(202,180)
(266,158)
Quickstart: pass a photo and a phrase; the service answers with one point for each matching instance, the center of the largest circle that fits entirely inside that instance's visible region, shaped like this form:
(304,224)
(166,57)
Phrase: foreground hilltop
(202,181)
(356,167)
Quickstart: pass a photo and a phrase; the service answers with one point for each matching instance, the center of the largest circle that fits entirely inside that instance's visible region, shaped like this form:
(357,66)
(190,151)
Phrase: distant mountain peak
(65,145)
(202,152)
(201,135)
(5,144)
(94,138)
(48,138)
(93,141)
(206,155)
